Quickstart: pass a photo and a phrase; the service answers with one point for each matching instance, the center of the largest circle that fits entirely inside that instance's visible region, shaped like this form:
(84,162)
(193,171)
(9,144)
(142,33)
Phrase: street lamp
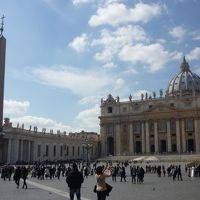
(87,145)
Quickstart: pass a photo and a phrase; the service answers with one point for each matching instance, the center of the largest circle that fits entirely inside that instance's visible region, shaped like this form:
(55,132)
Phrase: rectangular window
(39,150)
(73,150)
(67,150)
(136,127)
(151,127)
(189,125)
(162,126)
(124,109)
(61,151)
(54,150)
(110,110)
(173,126)
(78,151)
(47,151)
(109,129)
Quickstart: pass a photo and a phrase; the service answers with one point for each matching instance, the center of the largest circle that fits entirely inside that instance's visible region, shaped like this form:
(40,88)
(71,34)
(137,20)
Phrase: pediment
(110,99)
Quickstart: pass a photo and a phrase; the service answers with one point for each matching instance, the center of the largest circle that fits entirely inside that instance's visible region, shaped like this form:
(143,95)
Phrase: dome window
(110,109)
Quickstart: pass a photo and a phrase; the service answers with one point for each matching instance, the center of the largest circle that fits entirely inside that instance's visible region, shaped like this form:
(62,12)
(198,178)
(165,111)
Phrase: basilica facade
(169,123)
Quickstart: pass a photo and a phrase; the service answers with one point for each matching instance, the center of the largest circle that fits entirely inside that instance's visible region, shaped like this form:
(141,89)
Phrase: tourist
(17,176)
(123,174)
(114,173)
(24,174)
(101,188)
(179,173)
(133,174)
(74,180)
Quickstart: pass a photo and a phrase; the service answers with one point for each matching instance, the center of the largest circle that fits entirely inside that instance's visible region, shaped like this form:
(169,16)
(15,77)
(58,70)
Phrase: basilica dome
(185,83)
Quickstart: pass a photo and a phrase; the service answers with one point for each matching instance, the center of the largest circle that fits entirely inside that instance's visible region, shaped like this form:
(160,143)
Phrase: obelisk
(2,69)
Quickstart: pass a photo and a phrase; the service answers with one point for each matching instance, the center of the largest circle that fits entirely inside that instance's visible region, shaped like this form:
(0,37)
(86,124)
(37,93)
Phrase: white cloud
(80,82)
(41,122)
(119,84)
(194,54)
(154,56)
(90,100)
(130,71)
(176,55)
(195,35)
(112,41)
(13,107)
(109,65)
(79,43)
(78,2)
(89,118)
(117,13)
(178,32)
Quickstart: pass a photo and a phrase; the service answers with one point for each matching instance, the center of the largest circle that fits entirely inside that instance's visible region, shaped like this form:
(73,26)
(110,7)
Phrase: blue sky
(63,56)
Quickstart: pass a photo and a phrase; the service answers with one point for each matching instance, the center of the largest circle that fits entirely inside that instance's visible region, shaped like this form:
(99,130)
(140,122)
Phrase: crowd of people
(76,172)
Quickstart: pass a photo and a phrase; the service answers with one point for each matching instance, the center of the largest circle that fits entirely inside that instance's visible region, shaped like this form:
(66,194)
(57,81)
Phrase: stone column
(169,143)
(183,136)
(35,151)
(131,145)
(9,151)
(143,138)
(28,150)
(103,138)
(21,150)
(178,143)
(16,154)
(147,136)
(118,139)
(156,136)
(197,134)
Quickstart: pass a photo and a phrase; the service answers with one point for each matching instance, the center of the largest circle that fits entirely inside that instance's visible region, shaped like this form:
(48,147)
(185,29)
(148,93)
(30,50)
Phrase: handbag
(109,189)
(95,188)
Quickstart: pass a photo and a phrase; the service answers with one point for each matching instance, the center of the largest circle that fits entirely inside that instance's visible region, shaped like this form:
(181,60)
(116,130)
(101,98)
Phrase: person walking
(74,180)
(17,176)
(123,174)
(24,174)
(101,187)
(114,173)
(179,174)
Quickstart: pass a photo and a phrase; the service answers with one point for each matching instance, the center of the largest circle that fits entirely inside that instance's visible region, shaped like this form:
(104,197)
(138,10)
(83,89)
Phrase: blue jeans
(73,191)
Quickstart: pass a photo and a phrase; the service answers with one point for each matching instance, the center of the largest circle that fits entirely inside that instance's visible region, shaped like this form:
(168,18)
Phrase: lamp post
(87,145)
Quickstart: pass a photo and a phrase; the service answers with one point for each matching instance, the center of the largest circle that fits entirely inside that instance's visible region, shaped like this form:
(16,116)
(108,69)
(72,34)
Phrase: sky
(63,56)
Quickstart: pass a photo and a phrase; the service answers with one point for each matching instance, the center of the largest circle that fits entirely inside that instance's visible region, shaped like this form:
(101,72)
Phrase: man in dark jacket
(74,180)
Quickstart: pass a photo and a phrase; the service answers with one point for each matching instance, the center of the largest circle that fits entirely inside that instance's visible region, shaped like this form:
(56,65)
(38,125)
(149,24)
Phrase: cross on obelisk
(2,23)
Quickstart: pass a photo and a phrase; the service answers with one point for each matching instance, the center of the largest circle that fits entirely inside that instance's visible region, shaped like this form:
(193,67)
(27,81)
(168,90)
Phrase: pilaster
(169,143)
(131,145)
(147,136)
(156,136)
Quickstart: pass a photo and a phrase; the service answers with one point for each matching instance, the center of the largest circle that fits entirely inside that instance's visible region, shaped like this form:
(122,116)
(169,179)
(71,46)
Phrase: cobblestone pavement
(153,188)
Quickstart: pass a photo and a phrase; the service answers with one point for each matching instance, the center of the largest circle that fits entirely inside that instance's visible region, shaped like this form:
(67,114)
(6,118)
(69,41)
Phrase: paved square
(153,188)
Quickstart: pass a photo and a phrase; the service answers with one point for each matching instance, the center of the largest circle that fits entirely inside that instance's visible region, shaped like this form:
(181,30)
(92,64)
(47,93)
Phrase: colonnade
(176,141)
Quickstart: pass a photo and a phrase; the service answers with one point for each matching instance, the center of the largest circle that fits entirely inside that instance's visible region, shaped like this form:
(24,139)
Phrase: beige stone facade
(20,145)
(169,123)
